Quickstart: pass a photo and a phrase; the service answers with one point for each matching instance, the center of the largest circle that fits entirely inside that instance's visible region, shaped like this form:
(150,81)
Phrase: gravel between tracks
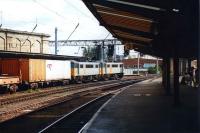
(15,109)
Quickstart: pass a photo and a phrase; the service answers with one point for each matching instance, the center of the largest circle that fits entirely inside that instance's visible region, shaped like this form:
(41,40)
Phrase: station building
(23,41)
(143,63)
(132,66)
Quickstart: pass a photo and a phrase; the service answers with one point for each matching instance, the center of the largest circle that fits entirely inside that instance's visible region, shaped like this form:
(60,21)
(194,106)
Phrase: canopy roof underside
(161,28)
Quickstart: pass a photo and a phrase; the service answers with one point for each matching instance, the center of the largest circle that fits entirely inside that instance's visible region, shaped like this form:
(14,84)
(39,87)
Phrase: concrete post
(102,52)
(176,82)
(181,67)
(56,41)
(184,66)
(164,72)
(189,64)
(168,87)
(157,65)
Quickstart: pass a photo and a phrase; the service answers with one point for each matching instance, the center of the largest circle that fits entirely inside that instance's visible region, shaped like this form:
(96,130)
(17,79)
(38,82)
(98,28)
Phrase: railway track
(46,92)
(39,119)
(12,110)
(75,120)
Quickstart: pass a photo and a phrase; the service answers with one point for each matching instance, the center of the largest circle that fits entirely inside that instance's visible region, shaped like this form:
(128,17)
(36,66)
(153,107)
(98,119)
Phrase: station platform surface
(144,108)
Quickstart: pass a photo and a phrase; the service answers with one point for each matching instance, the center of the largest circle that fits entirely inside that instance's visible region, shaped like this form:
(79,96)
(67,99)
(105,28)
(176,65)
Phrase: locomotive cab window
(114,65)
(108,65)
(96,66)
(89,66)
(81,66)
(76,65)
(72,65)
(121,65)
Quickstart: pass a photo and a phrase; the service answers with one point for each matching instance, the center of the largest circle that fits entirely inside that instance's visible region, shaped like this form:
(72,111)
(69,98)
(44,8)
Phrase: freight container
(58,70)
(30,70)
(10,67)
(34,70)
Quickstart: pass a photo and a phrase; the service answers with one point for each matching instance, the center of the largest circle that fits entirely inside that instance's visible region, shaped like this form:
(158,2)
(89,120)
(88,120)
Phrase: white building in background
(134,54)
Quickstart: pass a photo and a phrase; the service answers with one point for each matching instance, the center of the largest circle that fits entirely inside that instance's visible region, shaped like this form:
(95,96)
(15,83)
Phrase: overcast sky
(64,14)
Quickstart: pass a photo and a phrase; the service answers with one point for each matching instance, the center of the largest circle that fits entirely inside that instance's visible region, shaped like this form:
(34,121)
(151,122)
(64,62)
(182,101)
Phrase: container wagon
(32,73)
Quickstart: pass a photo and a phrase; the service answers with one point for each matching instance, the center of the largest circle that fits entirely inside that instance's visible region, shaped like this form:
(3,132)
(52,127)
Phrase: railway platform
(144,108)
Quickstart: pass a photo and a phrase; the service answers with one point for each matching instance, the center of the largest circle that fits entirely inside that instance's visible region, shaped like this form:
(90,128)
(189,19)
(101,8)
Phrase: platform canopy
(157,27)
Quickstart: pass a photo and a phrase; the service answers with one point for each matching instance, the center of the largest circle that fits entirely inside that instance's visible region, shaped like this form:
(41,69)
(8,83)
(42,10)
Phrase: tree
(90,53)
(153,70)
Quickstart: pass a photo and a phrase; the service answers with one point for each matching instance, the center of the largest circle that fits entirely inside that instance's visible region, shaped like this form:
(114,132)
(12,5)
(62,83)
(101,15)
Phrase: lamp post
(56,41)
(138,64)
(157,71)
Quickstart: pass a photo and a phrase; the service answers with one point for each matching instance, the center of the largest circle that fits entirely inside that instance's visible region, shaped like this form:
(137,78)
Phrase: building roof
(12,54)
(23,32)
(156,27)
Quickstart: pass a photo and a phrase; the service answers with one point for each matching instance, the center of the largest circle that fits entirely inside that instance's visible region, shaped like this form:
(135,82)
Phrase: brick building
(144,63)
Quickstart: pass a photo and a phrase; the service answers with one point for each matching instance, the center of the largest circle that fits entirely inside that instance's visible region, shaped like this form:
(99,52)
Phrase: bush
(152,70)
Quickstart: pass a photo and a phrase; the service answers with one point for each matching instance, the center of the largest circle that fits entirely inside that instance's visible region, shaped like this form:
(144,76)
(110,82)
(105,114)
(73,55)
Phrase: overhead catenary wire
(62,16)
(59,15)
(53,11)
(83,13)
(77,9)
(107,36)
(47,8)
(17,22)
(71,33)
(31,32)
